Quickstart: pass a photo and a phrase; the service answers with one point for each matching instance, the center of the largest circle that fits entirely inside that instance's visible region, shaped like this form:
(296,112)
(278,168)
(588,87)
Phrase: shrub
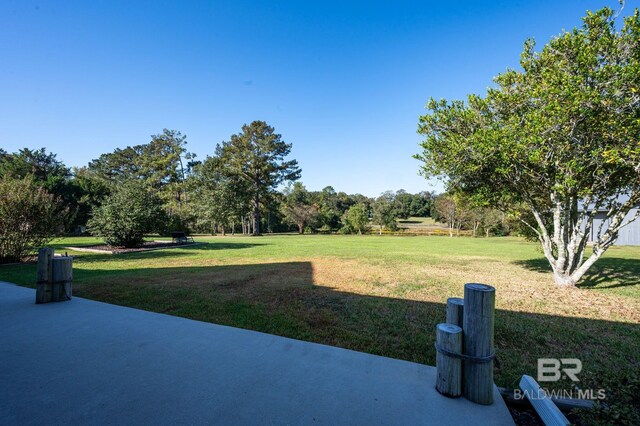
(126,215)
(29,218)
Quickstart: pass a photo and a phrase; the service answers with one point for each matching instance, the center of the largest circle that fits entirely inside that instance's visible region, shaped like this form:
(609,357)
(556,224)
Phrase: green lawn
(382,295)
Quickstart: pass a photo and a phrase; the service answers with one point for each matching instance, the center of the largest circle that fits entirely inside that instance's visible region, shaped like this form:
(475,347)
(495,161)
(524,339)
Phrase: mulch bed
(146,246)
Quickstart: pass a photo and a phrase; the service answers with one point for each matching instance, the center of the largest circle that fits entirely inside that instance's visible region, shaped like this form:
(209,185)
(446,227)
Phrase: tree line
(248,185)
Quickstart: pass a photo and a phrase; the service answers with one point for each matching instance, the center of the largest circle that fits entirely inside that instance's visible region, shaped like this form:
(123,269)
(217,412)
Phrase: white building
(628,235)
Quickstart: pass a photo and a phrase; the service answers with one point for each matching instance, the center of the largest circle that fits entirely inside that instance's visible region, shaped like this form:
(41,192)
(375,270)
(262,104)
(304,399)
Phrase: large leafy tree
(44,168)
(385,211)
(219,199)
(297,207)
(328,212)
(49,173)
(257,156)
(356,219)
(421,204)
(89,191)
(554,142)
(445,210)
(162,165)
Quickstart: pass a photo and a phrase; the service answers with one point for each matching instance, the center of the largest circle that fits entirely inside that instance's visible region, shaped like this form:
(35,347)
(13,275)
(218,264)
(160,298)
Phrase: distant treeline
(247,185)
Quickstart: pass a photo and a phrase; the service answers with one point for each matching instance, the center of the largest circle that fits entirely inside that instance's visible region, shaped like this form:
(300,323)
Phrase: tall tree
(356,219)
(445,211)
(421,204)
(162,164)
(90,191)
(257,156)
(46,172)
(559,138)
(402,200)
(385,212)
(328,211)
(491,219)
(219,199)
(297,207)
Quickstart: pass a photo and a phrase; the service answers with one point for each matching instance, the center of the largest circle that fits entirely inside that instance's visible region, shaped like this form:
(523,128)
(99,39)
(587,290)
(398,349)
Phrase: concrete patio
(85,362)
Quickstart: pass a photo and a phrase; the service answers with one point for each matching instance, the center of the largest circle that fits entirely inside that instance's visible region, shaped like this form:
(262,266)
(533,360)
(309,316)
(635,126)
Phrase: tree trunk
(563,280)
(565,247)
(487,232)
(256,215)
(380,229)
(256,206)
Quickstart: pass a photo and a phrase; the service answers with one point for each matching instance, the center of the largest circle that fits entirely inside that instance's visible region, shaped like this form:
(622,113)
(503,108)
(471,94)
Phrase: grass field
(423,226)
(382,295)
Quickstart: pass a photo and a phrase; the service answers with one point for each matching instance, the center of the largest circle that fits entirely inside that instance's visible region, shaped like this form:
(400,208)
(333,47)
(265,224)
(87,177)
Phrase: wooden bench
(181,237)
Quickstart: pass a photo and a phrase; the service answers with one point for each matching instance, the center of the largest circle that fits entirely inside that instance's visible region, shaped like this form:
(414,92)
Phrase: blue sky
(343,81)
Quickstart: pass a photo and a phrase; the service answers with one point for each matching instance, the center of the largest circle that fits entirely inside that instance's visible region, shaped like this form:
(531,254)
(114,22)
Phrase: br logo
(552,369)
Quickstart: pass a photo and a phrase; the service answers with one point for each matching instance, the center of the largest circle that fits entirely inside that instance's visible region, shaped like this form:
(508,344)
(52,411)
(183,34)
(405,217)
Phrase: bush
(126,215)
(30,217)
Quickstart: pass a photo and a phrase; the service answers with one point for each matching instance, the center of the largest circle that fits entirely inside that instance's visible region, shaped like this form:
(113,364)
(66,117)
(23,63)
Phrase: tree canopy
(257,156)
(385,212)
(298,208)
(161,164)
(554,142)
(356,219)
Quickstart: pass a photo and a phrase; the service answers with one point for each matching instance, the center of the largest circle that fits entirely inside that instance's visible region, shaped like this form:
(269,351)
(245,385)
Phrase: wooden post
(62,277)
(448,369)
(44,275)
(478,329)
(455,311)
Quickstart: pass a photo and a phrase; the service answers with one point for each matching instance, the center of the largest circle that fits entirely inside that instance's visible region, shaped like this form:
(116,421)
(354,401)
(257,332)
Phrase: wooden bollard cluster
(54,277)
(465,347)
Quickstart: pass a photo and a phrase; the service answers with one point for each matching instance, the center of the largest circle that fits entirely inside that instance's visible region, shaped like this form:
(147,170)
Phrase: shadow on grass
(607,272)
(284,299)
(25,273)
(219,245)
(161,252)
